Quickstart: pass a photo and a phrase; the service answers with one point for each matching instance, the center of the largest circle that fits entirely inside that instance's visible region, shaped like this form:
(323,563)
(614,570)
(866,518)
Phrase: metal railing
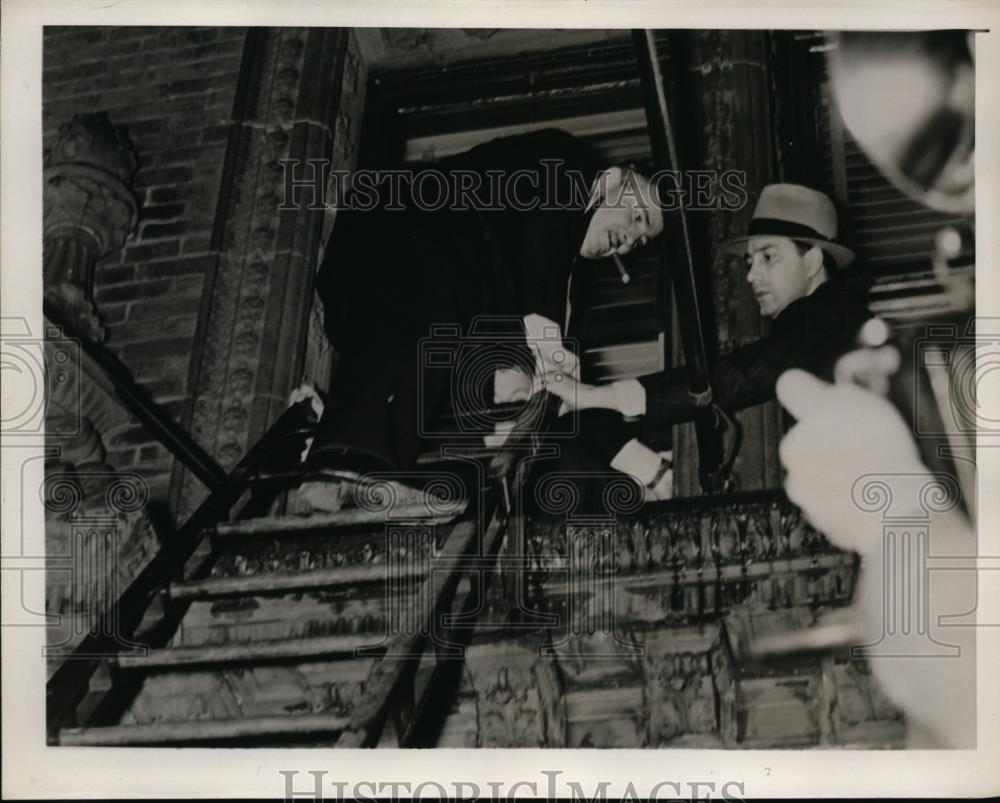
(138,402)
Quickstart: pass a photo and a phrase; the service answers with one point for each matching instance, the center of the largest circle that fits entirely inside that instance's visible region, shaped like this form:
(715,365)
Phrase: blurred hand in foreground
(845,432)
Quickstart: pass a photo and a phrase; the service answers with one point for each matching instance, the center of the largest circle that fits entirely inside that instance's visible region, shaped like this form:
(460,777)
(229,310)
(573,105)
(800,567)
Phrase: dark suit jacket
(810,333)
(388,276)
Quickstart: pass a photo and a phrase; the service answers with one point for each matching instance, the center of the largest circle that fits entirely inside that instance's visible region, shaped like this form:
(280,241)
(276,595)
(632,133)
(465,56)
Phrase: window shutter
(893,235)
(592,92)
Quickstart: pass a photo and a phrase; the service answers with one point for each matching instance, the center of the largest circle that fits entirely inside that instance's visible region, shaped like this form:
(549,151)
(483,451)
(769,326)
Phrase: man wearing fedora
(794,264)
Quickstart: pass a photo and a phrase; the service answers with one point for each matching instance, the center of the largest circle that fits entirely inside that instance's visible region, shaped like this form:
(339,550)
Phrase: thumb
(800,391)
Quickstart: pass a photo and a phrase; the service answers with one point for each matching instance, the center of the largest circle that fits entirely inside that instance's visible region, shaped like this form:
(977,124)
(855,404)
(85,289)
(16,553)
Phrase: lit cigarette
(621,268)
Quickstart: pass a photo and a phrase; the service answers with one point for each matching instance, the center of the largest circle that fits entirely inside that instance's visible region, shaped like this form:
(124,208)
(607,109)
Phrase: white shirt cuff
(630,397)
(637,459)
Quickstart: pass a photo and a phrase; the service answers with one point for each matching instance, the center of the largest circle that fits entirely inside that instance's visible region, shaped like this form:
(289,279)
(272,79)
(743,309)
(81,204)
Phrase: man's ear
(606,182)
(814,261)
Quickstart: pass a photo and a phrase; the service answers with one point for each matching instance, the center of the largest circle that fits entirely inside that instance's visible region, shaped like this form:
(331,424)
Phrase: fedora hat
(799,213)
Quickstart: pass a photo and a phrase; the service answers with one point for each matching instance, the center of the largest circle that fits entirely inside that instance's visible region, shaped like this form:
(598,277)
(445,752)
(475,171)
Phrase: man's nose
(755,273)
(633,236)
(624,242)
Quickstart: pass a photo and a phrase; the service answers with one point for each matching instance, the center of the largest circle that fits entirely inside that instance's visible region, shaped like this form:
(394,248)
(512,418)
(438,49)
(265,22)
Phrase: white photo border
(32,770)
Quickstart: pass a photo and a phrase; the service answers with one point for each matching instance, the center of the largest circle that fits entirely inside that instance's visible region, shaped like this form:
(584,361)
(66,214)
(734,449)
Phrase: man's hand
(563,386)
(577,395)
(511,385)
(843,432)
(307,391)
(304,392)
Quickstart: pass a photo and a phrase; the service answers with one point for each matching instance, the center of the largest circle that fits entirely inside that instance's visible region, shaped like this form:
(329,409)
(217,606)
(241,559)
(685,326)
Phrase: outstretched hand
(565,387)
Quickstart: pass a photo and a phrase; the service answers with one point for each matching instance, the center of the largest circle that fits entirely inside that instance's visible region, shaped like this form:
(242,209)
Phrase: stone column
(89,211)
(97,535)
(252,333)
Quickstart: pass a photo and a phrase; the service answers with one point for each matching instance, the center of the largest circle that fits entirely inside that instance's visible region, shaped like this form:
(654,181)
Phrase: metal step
(202,731)
(215,587)
(286,649)
(404,574)
(355,517)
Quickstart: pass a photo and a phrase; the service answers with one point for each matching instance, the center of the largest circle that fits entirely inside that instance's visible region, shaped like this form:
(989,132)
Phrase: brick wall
(173,90)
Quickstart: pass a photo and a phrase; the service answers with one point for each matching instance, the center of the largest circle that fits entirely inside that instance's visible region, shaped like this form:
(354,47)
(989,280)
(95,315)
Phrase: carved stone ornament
(517,696)
(89,211)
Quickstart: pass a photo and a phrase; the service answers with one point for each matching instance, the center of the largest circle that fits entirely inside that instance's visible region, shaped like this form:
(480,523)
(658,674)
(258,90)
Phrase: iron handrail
(137,401)
(479,532)
(68,684)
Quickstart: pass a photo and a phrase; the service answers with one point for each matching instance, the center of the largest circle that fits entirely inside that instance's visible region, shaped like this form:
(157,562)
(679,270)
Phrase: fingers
(307,392)
(869,368)
(305,452)
(797,491)
(542,329)
(511,385)
(560,384)
(799,391)
(789,449)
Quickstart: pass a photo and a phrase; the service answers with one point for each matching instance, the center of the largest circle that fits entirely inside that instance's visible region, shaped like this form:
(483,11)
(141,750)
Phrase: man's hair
(829,263)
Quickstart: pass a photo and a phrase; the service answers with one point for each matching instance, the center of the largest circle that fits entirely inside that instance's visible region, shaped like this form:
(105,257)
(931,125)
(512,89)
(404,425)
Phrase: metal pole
(676,251)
